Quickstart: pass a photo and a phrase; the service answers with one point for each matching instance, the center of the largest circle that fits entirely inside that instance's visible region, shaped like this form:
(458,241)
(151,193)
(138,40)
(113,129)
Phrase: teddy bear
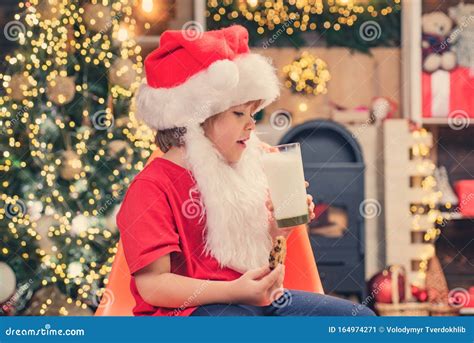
(436,45)
(463,16)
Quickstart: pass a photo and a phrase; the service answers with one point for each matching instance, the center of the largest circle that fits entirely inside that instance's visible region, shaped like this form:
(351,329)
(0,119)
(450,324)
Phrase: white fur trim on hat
(223,84)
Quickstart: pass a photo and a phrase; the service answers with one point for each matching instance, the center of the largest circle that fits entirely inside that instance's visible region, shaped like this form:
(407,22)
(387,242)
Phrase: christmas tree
(69,147)
(355,24)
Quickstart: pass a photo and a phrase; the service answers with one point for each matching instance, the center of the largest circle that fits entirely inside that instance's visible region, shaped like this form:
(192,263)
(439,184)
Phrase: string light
(298,14)
(122,34)
(420,155)
(303,107)
(147,6)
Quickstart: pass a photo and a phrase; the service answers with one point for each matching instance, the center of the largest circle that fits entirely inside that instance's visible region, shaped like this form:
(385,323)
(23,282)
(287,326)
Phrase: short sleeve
(146,224)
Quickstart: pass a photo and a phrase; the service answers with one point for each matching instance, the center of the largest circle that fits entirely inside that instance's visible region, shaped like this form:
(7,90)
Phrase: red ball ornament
(6,309)
(423,296)
(419,294)
(380,285)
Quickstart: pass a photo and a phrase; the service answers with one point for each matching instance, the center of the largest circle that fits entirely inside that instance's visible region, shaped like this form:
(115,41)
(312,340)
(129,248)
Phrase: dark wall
(456,152)
(8,8)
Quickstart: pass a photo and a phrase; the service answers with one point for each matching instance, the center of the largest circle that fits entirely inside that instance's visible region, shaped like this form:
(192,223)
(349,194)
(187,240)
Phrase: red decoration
(420,295)
(448,93)
(465,192)
(321,212)
(471,297)
(459,297)
(380,286)
(6,309)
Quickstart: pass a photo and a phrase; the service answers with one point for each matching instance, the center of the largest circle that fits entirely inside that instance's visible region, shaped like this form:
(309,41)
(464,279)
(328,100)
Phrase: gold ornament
(50,10)
(19,86)
(307,75)
(42,226)
(438,290)
(122,73)
(61,90)
(118,148)
(71,165)
(97,17)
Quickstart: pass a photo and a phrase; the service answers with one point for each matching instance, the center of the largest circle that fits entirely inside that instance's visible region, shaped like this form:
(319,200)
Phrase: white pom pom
(80,224)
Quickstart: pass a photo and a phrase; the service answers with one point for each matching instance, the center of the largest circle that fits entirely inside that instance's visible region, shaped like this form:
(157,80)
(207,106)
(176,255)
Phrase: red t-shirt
(153,222)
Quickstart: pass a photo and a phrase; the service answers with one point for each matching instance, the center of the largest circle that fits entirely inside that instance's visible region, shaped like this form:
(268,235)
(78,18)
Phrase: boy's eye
(240,114)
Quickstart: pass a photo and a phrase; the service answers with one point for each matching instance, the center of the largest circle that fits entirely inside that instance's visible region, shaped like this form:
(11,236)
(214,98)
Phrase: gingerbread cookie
(278,253)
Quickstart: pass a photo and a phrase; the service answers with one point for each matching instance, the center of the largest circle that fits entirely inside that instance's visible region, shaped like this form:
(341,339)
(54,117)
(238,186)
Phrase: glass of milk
(284,169)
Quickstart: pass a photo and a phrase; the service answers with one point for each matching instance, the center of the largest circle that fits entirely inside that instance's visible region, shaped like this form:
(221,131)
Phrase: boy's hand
(285,232)
(277,288)
(257,287)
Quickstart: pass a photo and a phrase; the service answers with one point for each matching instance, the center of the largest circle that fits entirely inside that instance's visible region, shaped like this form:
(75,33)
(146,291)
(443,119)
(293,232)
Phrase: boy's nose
(251,124)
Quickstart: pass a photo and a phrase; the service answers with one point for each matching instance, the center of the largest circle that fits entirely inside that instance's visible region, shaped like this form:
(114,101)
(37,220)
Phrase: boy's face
(229,130)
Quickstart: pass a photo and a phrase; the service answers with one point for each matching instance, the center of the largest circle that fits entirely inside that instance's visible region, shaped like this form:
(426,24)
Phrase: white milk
(284,170)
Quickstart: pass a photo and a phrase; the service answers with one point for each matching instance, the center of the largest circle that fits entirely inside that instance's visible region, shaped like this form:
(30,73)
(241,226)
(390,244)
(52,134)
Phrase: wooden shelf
(444,122)
(435,121)
(467,311)
(455,216)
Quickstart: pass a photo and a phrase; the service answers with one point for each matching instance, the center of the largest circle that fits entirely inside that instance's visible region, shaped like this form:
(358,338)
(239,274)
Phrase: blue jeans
(291,303)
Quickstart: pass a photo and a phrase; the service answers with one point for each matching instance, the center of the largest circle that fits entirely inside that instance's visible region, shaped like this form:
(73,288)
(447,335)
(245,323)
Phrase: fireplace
(334,166)
(455,245)
(454,249)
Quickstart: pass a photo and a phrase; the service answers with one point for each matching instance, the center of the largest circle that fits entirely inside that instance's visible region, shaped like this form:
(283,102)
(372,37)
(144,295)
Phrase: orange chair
(301,273)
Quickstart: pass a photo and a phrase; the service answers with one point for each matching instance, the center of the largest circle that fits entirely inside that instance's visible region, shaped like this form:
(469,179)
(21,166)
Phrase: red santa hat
(195,75)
